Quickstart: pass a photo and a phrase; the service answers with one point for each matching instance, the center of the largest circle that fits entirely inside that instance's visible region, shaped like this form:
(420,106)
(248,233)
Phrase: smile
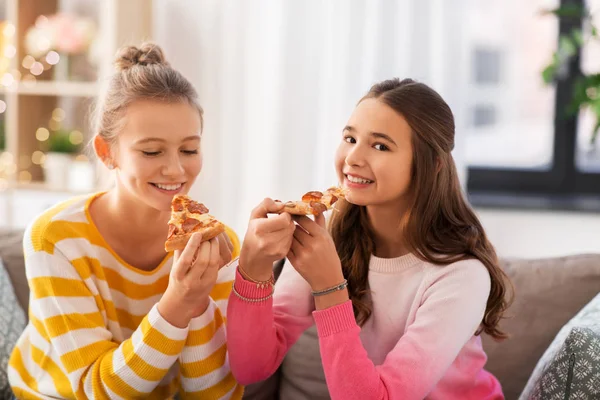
(173,187)
(355,179)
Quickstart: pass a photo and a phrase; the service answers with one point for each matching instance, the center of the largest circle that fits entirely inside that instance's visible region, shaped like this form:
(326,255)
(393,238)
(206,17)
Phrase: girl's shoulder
(470,271)
(60,221)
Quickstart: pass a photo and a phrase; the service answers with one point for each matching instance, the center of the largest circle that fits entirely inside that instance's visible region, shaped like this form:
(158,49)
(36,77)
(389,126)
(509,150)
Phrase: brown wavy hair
(439,227)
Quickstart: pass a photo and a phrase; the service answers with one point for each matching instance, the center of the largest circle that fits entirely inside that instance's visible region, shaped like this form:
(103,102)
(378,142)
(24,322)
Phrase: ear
(102,149)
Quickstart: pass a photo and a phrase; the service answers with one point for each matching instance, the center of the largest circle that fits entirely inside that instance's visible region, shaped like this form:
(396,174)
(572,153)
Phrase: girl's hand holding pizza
(267,240)
(194,273)
(313,254)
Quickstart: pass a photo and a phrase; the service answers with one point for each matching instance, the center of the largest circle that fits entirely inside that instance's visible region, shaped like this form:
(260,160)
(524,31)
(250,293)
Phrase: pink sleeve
(452,309)
(259,334)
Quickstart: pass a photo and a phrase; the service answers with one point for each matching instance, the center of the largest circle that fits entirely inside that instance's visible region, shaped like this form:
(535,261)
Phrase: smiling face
(374,160)
(157,153)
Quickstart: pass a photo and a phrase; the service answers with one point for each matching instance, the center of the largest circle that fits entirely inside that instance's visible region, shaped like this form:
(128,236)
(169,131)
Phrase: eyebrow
(374,134)
(149,140)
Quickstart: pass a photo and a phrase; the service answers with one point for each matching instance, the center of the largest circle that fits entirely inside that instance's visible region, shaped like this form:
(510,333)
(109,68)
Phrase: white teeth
(168,187)
(354,179)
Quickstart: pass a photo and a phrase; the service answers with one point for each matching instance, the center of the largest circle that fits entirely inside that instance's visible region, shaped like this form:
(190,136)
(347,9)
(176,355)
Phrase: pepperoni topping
(317,208)
(312,196)
(177,204)
(333,199)
(172,230)
(189,224)
(197,208)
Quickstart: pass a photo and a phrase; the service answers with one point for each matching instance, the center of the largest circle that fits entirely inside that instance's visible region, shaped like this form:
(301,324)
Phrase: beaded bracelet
(259,284)
(249,299)
(335,288)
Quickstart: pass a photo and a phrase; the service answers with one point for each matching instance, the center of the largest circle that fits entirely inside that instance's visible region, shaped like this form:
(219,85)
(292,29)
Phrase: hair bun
(146,54)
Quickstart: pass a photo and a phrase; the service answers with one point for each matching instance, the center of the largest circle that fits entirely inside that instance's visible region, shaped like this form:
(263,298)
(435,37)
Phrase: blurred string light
(42,134)
(52,58)
(10,51)
(41,21)
(2,106)
(6,158)
(58,114)
(9,30)
(7,79)
(27,61)
(36,68)
(38,157)
(76,137)
(82,157)
(25,176)
(54,125)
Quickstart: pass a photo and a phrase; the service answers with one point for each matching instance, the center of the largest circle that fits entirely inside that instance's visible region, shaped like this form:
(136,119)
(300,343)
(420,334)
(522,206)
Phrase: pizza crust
(315,203)
(179,241)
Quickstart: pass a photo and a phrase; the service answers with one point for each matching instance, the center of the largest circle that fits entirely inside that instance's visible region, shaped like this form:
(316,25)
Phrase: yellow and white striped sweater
(94,329)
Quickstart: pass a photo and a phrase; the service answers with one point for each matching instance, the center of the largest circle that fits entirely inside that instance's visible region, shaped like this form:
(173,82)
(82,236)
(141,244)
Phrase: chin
(357,200)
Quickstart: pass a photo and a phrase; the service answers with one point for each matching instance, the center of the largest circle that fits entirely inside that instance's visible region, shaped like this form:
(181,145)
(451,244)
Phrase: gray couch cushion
(11,252)
(12,323)
(570,367)
(549,292)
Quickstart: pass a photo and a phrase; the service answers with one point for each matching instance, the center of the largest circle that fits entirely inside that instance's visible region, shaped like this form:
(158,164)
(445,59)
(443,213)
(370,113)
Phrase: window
(523,147)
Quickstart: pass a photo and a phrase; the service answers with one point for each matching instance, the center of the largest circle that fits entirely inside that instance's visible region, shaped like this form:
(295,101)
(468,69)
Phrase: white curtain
(278,80)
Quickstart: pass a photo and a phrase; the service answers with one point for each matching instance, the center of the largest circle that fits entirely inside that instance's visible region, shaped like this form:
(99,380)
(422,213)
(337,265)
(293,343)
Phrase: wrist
(331,299)
(327,282)
(201,309)
(172,312)
(252,270)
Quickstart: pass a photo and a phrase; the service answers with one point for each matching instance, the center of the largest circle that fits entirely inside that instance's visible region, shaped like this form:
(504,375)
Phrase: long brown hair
(439,227)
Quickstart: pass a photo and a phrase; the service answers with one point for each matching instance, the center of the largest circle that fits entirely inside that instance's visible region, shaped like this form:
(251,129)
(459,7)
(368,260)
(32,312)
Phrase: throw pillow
(12,323)
(570,367)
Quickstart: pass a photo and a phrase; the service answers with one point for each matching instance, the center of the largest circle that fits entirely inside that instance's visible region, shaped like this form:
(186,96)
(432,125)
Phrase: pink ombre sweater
(418,343)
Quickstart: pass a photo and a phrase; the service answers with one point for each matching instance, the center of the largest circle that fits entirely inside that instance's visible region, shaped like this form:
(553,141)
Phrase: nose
(173,166)
(355,156)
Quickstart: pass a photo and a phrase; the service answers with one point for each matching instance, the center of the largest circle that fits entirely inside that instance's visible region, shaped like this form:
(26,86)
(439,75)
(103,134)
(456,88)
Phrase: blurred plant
(63,32)
(586,93)
(61,141)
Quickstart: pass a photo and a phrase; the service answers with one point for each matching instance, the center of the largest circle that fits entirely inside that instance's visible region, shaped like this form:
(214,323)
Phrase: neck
(139,221)
(385,222)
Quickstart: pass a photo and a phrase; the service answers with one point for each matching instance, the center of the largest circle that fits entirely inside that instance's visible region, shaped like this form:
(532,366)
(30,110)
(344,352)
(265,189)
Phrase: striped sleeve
(70,328)
(204,362)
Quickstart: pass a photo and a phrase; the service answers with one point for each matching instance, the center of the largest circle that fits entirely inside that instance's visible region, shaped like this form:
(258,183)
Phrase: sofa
(549,294)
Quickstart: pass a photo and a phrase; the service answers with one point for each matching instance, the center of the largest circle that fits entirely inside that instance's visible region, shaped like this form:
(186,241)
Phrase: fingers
(301,235)
(320,220)
(308,225)
(215,254)
(225,247)
(277,223)
(185,258)
(296,247)
(202,260)
(267,206)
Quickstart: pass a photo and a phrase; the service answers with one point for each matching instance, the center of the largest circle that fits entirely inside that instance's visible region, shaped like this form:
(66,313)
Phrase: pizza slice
(314,203)
(187,217)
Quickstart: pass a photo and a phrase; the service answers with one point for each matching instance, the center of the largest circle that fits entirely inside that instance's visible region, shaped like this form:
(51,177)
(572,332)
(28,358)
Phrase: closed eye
(150,153)
(189,152)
